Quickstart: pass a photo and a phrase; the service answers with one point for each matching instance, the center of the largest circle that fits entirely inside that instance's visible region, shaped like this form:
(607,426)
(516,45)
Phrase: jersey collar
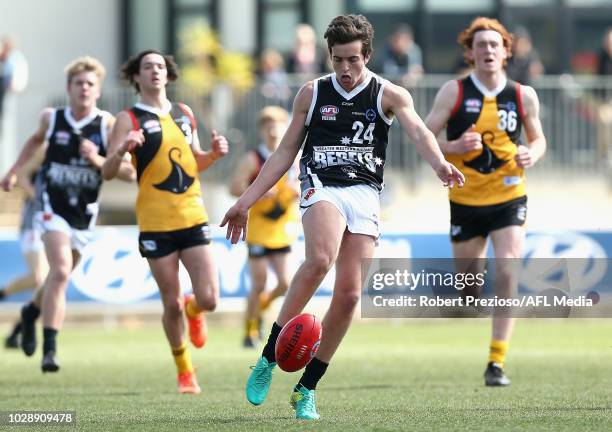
(167,106)
(349,95)
(264,151)
(484,90)
(78,125)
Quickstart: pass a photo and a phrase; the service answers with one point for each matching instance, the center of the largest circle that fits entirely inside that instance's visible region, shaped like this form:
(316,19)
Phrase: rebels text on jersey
(347,134)
(67,184)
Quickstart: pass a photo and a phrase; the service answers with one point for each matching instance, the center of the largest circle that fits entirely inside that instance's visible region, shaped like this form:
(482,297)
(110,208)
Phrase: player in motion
(67,189)
(273,221)
(343,119)
(163,140)
(483,114)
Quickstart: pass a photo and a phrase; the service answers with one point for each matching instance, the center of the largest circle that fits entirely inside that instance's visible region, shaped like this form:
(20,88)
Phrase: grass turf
(387,375)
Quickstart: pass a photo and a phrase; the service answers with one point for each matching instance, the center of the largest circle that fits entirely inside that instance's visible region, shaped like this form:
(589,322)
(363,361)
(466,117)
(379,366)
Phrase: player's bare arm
(440,115)
(29,149)
(243,174)
(398,101)
(275,167)
(219,147)
(529,154)
(123,140)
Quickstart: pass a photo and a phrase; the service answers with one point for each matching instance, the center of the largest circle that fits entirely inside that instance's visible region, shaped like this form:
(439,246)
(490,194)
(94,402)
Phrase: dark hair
(132,67)
(348,28)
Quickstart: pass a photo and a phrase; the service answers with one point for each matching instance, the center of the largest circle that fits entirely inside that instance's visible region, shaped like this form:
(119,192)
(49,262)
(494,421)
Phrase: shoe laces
(309,401)
(262,373)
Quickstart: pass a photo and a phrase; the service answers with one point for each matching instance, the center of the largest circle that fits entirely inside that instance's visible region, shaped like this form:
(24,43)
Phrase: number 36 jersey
(491,173)
(347,134)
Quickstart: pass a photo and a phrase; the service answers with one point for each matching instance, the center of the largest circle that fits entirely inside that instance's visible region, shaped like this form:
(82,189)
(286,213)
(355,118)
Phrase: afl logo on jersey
(511,106)
(152,126)
(328,112)
(62,137)
(473,105)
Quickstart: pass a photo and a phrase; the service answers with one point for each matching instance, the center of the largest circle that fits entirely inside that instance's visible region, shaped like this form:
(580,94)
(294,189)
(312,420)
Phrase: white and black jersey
(347,134)
(67,184)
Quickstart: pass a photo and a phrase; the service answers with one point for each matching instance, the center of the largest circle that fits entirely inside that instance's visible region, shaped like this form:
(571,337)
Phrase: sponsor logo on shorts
(206,232)
(148,245)
(309,193)
(521,213)
(455,230)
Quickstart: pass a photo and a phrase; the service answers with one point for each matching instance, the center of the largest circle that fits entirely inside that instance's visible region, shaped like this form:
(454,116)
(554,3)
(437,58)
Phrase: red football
(298,342)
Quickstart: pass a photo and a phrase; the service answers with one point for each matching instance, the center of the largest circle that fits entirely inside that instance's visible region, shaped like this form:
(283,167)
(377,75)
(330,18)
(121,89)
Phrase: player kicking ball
(343,119)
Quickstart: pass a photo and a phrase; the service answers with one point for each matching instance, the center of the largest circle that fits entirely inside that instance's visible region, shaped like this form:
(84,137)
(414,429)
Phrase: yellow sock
(192,309)
(254,327)
(182,358)
(497,351)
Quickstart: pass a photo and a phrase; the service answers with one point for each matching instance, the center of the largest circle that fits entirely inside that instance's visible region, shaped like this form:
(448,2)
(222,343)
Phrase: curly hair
(132,67)
(466,37)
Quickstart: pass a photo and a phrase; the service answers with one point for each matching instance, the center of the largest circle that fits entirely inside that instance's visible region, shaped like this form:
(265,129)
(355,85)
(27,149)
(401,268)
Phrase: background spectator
(402,57)
(307,57)
(524,65)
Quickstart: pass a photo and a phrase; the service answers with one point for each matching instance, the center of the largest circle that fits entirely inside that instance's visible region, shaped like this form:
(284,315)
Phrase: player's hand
(470,140)
(524,158)
(8,182)
(87,149)
(449,174)
(218,145)
(236,220)
(134,138)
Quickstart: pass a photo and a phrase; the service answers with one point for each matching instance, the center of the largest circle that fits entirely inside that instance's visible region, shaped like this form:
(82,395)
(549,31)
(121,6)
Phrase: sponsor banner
(112,271)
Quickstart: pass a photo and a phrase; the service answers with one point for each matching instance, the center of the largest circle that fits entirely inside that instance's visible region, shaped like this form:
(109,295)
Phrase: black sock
(49,335)
(30,312)
(16,329)
(313,373)
(269,350)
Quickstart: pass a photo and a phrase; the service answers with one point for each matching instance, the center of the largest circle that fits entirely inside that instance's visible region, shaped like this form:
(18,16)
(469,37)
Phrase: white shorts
(30,241)
(359,205)
(46,222)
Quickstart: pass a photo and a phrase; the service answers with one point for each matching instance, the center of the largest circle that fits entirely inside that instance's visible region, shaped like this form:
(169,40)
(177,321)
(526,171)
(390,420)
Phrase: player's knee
(58,276)
(173,309)
(347,300)
(283,285)
(319,264)
(208,302)
(505,282)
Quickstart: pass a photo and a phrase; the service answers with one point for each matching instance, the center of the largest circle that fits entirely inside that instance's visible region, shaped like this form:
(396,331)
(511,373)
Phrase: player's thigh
(58,250)
(258,269)
(280,265)
(165,272)
(508,242)
(324,227)
(349,271)
(200,265)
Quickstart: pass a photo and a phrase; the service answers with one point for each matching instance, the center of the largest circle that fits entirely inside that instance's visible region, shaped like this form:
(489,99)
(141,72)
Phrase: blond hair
(85,64)
(466,37)
(273,113)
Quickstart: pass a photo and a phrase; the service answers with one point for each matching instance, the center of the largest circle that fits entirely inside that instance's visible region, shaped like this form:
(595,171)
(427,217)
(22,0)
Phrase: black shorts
(160,244)
(259,251)
(472,221)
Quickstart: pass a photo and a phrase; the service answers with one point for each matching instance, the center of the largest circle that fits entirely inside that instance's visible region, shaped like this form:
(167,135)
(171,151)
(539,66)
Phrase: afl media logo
(328,112)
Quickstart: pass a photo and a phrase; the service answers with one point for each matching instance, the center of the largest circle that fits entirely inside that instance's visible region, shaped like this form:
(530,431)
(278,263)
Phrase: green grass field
(401,375)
